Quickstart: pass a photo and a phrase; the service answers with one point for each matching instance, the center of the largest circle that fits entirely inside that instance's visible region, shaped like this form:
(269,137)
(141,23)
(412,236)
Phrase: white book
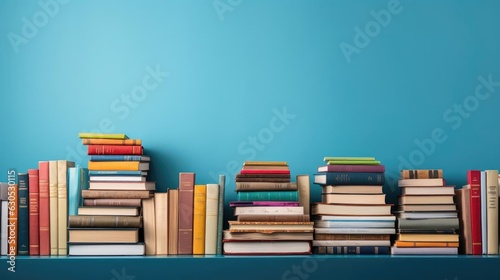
(492,211)
(118,178)
(356,218)
(424,251)
(211,217)
(82,249)
(3,227)
(354,231)
(354,224)
(351,243)
(484,217)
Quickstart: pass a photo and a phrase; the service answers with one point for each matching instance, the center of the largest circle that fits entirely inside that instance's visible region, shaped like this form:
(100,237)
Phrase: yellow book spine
(92,141)
(114,165)
(199,213)
(102,135)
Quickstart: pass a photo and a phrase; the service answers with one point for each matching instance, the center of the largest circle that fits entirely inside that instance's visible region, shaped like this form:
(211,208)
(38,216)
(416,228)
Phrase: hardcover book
(62,205)
(474,181)
(349,178)
(199,214)
(23,219)
(173,221)
(34,225)
(421,174)
(211,216)
(89,135)
(267,196)
(103,235)
(96,141)
(186,199)
(119,165)
(114,150)
(104,221)
(43,183)
(220,213)
(352,168)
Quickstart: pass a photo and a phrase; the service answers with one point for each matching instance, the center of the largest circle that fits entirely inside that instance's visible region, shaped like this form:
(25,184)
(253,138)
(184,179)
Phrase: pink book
(263,203)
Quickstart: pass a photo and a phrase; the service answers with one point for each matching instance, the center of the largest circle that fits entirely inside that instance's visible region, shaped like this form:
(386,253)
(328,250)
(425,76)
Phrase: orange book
(12,223)
(118,165)
(199,213)
(44,208)
(126,142)
(402,244)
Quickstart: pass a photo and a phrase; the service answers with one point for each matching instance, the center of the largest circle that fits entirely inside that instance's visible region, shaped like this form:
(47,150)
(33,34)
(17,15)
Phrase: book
(108,210)
(34,225)
(44,213)
(338,243)
(104,221)
(161,223)
(354,224)
(77,181)
(118,165)
(350,209)
(62,205)
(228,235)
(114,150)
(270,227)
(421,173)
(349,178)
(268,177)
(118,235)
(360,162)
(134,202)
(129,173)
(265,186)
(91,135)
(427,207)
(267,196)
(53,205)
(429,224)
(424,251)
(269,210)
(173,220)
(115,194)
(119,158)
(352,236)
(89,249)
(362,189)
(265,171)
(352,168)
(492,210)
(211,216)
(199,214)
(12,216)
(410,244)
(220,213)
(263,203)
(304,189)
(261,179)
(186,199)
(428,237)
(277,163)
(257,247)
(117,178)
(265,167)
(484,214)
(348,158)
(23,215)
(355,218)
(436,182)
(148,215)
(97,141)
(445,190)
(425,199)
(426,215)
(463,207)
(137,186)
(351,250)
(353,198)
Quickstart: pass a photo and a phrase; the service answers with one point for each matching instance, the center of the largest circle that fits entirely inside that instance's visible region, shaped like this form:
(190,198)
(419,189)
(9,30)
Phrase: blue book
(23,215)
(118,158)
(117,172)
(349,178)
(77,181)
(268,196)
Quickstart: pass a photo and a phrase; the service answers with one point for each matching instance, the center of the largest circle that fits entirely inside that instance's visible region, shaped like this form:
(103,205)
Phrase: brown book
(115,194)
(104,235)
(173,221)
(186,202)
(422,174)
(361,189)
(273,218)
(265,167)
(463,207)
(108,211)
(132,202)
(326,236)
(257,179)
(149,220)
(265,186)
(304,188)
(104,221)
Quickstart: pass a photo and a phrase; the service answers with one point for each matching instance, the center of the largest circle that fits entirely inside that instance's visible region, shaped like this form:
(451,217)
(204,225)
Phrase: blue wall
(413,84)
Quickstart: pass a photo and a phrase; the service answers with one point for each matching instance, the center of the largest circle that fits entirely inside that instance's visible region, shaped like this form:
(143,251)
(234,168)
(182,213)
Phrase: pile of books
(352,217)
(270,216)
(426,215)
(110,222)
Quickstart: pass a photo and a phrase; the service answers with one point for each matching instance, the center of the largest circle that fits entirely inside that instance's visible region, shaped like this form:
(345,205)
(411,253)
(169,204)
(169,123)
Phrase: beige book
(148,215)
(303,185)
(211,216)
(173,221)
(492,210)
(62,206)
(104,235)
(161,226)
(53,211)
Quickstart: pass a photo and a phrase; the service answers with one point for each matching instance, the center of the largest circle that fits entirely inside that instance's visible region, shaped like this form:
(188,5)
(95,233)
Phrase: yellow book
(87,135)
(97,141)
(199,213)
(118,165)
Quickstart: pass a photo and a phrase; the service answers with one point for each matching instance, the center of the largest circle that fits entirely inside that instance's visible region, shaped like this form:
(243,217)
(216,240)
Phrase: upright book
(34,225)
(43,183)
(186,198)
(220,213)
(199,213)
(492,210)
(62,205)
(474,181)
(211,216)
(23,219)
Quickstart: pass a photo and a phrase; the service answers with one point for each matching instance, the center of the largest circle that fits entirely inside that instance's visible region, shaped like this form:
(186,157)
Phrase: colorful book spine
(91,135)
(264,171)
(186,197)
(23,222)
(421,174)
(351,250)
(34,225)
(349,178)
(268,196)
(43,168)
(62,205)
(474,181)
(265,186)
(173,221)
(220,213)
(114,150)
(116,172)
(115,165)
(128,142)
(117,158)
(77,181)
(199,214)
(351,168)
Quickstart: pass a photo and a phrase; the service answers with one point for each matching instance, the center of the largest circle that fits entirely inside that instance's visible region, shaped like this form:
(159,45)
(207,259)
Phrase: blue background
(230,72)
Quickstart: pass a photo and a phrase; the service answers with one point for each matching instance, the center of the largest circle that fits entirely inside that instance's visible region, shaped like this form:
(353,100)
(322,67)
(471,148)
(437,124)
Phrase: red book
(44,210)
(474,181)
(34,226)
(114,150)
(265,171)
(186,202)
(351,168)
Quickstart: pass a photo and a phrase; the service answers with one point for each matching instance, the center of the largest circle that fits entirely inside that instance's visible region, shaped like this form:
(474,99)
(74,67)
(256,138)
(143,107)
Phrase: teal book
(268,196)
(78,179)
(349,178)
(220,218)
(23,215)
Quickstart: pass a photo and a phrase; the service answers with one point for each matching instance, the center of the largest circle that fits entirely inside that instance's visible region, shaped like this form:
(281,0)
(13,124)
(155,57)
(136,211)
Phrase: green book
(363,162)
(85,135)
(348,158)
(268,196)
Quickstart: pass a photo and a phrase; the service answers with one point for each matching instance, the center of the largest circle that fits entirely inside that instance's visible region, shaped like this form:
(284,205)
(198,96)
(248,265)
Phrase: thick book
(353,198)
(269,210)
(492,210)
(353,189)
(97,141)
(355,218)
(62,205)
(136,186)
(349,178)
(257,247)
(352,168)
(211,216)
(186,199)
(424,251)
(53,205)
(23,215)
(149,225)
(265,186)
(96,249)
(474,181)
(429,224)
(103,235)
(130,173)
(77,181)
(350,209)
(463,206)
(354,224)
(34,225)
(265,167)
(44,217)
(243,177)
(352,236)
(273,218)
(119,165)
(220,213)
(92,135)
(270,227)
(265,171)
(107,221)
(436,182)
(134,202)
(351,250)
(262,203)
(173,221)
(119,158)
(268,196)
(351,243)
(108,210)
(199,214)
(426,215)
(278,236)
(161,223)
(445,190)
(425,199)
(421,173)
(114,150)
(428,237)
(115,194)
(304,189)
(416,244)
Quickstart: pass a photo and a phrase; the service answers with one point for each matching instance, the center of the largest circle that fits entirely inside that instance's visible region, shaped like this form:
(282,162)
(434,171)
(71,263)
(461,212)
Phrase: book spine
(62,205)
(128,142)
(360,162)
(115,194)
(115,173)
(43,184)
(102,135)
(429,224)
(266,176)
(421,173)
(220,213)
(351,168)
(252,163)
(53,205)
(484,215)
(268,196)
(3,225)
(264,210)
(173,221)
(13,216)
(463,207)
(323,236)
(304,192)
(351,250)
(185,212)
(132,202)
(261,180)
(265,171)
(114,165)
(492,210)
(211,216)
(23,223)
(34,225)
(161,223)
(273,218)
(199,213)
(265,186)
(114,150)
(351,178)
(115,158)
(81,221)
(148,213)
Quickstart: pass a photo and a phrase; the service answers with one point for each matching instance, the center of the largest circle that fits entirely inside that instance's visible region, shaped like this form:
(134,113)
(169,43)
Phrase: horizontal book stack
(270,218)
(427,220)
(352,217)
(110,221)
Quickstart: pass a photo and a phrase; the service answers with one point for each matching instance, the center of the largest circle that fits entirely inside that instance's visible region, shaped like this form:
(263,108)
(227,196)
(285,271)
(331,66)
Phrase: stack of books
(270,218)
(110,222)
(352,217)
(426,215)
